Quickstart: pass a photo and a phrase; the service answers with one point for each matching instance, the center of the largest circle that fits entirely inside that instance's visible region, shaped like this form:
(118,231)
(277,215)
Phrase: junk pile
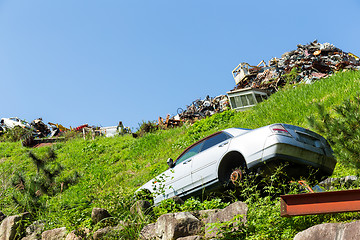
(305,64)
(197,110)
(39,134)
(203,108)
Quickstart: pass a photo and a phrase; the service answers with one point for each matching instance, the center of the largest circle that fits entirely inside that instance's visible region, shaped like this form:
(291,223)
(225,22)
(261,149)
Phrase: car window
(190,152)
(218,138)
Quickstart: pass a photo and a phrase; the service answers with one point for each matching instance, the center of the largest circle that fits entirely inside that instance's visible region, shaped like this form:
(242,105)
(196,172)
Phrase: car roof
(231,131)
(237,131)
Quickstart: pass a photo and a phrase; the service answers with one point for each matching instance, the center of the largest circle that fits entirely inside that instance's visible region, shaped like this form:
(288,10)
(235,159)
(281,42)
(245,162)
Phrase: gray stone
(99,214)
(54,234)
(331,231)
(174,225)
(197,237)
(78,234)
(12,227)
(103,232)
(33,232)
(223,215)
(148,232)
(351,230)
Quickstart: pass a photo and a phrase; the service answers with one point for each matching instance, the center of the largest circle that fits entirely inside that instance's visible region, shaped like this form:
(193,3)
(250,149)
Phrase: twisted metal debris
(305,64)
(203,108)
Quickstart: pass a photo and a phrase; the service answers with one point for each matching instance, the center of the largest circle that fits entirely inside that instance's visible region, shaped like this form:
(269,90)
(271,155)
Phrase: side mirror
(170,162)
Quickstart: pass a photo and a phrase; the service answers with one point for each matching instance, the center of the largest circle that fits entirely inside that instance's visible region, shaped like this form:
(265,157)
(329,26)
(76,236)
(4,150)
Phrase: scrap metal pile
(37,132)
(197,110)
(203,108)
(305,64)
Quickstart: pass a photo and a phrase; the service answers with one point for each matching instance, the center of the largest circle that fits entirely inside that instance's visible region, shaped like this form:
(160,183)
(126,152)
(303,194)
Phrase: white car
(224,156)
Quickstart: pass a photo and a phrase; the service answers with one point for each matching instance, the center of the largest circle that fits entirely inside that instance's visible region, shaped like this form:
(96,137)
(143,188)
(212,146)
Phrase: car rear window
(218,138)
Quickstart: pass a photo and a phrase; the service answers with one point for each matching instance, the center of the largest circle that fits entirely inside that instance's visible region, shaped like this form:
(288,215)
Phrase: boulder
(103,232)
(331,231)
(148,232)
(197,237)
(142,207)
(12,226)
(54,234)
(174,225)
(99,214)
(78,234)
(33,232)
(223,215)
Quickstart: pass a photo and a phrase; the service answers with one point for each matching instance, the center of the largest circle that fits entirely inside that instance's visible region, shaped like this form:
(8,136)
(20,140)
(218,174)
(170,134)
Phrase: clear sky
(100,62)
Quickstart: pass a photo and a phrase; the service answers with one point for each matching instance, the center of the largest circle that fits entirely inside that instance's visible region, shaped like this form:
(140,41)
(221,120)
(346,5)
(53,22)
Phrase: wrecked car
(224,157)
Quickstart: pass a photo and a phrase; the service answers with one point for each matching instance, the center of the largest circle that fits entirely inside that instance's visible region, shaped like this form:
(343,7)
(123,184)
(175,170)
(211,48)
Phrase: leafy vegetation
(341,128)
(112,169)
(14,134)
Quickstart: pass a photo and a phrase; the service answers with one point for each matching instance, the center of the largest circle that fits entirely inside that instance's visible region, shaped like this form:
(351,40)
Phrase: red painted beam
(320,203)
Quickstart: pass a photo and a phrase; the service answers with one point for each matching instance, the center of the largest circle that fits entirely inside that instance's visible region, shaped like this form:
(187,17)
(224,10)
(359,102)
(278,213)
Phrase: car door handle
(221,145)
(187,161)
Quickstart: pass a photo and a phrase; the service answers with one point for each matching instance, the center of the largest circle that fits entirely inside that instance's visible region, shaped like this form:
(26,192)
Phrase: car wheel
(232,169)
(236,176)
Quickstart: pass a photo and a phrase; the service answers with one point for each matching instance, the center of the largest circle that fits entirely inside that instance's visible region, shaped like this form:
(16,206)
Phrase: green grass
(112,169)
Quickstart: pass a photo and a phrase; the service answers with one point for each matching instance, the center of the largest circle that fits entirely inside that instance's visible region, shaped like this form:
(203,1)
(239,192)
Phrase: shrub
(341,127)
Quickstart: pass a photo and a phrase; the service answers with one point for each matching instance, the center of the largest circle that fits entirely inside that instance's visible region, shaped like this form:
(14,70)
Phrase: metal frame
(320,203)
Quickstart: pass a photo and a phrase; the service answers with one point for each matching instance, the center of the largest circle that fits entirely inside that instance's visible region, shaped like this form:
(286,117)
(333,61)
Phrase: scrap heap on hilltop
(305,64)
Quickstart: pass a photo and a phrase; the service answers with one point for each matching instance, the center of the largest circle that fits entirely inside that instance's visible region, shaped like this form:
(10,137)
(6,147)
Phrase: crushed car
(224,157)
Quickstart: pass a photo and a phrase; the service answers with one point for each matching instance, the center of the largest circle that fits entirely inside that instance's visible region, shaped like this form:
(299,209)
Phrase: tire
(233,166)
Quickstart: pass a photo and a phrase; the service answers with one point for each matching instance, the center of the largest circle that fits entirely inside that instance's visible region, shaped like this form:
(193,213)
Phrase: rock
(223,215)
(142,207)
(197,237)
(99,214)
(33,232)
(2,216)
(148,232)
(174,225)
(346,182)
(329,231)
(78,234)
(72,236)
(103,232)
(54,234)
(12,226)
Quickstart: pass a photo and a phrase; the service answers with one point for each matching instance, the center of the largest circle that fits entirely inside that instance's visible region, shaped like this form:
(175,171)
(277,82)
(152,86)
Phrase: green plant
(147,127)
(43,182)
(14,134)
(341,127)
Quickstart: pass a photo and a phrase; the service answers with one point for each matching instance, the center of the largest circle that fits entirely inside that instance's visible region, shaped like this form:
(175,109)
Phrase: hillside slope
(112,168)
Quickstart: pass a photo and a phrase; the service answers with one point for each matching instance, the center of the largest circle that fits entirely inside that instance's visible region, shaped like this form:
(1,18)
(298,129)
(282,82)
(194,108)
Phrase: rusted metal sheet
(320,203)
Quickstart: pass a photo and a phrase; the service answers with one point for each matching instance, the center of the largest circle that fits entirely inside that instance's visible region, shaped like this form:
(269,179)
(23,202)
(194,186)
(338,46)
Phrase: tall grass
(112,168)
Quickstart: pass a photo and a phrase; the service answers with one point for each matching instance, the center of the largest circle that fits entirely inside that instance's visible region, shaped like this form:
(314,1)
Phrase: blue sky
(100,62)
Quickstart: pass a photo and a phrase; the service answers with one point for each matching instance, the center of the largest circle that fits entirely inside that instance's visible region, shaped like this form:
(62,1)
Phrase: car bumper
(285,149)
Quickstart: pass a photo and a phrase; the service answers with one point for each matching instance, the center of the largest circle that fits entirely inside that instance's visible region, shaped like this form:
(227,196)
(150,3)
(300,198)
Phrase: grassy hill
(111,169)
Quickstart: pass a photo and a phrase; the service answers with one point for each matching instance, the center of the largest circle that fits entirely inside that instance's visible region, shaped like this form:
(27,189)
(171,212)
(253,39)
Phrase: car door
(180,175)
(204,167)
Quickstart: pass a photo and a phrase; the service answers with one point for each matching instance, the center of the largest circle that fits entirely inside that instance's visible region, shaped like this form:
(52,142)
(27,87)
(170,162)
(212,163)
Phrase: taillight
(279,129)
